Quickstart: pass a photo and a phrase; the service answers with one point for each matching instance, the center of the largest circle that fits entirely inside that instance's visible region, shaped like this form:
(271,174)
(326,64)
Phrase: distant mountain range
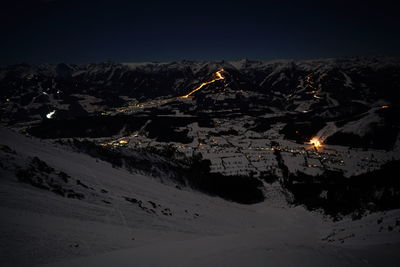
(351,101)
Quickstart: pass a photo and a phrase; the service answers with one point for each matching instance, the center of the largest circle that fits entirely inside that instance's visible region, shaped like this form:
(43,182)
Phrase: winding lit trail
(218,75)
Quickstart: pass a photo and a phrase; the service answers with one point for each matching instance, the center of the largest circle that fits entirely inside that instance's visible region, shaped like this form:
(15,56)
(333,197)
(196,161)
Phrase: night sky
(72,31)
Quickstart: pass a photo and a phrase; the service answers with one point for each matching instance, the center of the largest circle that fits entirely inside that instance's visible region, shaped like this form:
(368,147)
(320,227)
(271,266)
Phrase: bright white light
(316,142)
(50,115)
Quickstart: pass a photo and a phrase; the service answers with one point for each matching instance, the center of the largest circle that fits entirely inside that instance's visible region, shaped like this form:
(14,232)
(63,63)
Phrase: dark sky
(79,31)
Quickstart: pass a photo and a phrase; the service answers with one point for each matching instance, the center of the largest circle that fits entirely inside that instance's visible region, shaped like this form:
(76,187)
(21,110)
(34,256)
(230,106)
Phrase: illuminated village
(245,152)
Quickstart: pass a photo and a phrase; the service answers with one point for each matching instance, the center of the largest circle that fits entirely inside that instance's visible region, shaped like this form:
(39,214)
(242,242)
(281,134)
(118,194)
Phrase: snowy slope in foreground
(104,229)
